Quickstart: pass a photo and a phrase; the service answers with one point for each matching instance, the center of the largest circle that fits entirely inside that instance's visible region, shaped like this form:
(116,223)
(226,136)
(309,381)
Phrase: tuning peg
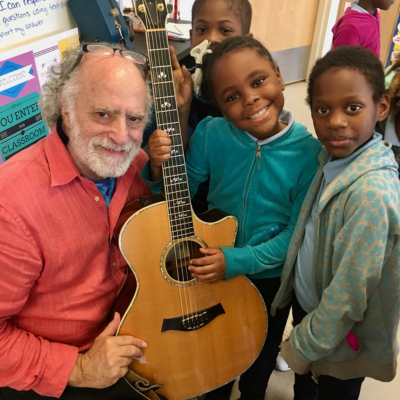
(128,10)
(170,8)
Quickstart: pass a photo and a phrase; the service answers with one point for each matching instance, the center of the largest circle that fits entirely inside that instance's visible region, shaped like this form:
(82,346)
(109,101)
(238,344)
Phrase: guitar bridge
(193,321)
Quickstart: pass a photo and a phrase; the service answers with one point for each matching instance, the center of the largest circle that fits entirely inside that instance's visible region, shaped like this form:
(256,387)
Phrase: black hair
(241,8)
(232,44)
(354,58)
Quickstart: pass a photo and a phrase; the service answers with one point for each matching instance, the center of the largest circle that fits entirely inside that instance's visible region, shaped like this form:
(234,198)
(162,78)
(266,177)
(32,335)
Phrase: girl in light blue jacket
(343,269)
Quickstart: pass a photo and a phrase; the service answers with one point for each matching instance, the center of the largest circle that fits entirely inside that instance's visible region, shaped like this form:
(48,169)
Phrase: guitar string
(153,53)
(162,43)
(185,245)
(177,158)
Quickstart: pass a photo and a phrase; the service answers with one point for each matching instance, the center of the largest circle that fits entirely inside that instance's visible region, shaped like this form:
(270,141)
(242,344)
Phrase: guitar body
(200,336)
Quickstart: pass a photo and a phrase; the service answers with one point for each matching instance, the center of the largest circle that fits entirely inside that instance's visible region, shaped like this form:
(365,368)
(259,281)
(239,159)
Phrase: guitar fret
(165,111)
(162,83)
(177,167)
(181,229)
(163,48)
(178,201)
(164,97)
(180,217)
(180,209)
(183,235)
(160,66)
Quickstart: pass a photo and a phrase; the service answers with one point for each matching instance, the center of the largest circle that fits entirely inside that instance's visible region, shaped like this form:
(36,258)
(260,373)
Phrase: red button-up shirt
(60,267)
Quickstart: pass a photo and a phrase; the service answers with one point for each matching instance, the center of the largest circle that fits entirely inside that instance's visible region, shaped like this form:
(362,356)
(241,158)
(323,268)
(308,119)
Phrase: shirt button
(114,264)
(97,198)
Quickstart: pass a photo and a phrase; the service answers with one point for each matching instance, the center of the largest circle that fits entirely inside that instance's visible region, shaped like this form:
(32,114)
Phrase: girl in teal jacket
(260,164)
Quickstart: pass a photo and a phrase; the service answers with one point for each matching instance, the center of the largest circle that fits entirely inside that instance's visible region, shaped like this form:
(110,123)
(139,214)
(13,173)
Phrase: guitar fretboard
(174,170)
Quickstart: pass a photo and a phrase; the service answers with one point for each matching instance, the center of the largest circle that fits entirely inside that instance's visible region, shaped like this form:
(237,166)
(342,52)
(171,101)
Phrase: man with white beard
(60,199)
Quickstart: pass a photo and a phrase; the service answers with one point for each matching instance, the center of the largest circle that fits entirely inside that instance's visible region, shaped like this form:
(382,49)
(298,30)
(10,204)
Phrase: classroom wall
(286,28)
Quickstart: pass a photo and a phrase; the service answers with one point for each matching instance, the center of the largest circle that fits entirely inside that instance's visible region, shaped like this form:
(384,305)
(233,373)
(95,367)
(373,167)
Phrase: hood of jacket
(375,157)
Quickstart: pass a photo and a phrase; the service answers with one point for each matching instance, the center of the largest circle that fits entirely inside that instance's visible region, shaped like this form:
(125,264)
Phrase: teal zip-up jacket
(262,186)
(356,271)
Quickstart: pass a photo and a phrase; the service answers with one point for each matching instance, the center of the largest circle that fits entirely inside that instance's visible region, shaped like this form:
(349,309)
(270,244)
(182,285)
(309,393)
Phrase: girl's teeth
(259,114)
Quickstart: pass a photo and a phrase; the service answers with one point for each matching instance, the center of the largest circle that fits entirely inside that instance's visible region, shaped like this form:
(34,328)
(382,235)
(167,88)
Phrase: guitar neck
(167,118)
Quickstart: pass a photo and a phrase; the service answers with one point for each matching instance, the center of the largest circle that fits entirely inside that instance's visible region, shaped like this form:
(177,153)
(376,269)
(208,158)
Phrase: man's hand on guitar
(159,147)
(211,268)
(107,360)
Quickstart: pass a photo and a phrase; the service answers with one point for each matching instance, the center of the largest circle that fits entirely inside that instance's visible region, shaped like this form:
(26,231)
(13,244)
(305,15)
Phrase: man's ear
(65,117)
(384,107)
(249,34)
(280,78)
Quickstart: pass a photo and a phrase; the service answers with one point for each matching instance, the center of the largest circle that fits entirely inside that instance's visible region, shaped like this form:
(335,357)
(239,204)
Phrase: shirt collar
(355,7)
(62,167)
(287,117)
(333,168)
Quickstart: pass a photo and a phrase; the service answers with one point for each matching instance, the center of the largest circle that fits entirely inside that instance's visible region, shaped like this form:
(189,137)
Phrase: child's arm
(184,92)
(360,250)
(346,35)
(272,254)
(159,148)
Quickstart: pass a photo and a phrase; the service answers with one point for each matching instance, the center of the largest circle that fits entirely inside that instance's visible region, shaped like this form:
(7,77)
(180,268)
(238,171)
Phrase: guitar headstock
(153,13)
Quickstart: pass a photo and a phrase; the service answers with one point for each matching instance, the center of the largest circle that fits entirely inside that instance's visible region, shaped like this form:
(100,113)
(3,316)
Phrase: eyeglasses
(105,51)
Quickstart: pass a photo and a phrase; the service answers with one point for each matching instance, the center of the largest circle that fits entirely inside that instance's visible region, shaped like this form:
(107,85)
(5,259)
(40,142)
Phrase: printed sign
(21,125)
(22,21)
(395,46)
(22,73)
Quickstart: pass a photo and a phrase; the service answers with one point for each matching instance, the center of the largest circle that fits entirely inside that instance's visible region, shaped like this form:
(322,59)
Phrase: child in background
(212,20)
(390,127)
(343,259)
(360,25)
(260,164)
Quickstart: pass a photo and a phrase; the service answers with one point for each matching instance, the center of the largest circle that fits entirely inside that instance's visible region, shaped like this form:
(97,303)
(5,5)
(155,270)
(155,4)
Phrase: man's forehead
(109,67)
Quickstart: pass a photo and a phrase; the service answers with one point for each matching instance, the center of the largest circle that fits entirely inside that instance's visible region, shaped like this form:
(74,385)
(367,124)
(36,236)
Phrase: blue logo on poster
(7,68)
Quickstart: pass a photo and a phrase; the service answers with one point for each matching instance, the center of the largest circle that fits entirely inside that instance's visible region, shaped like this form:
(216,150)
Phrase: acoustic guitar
(200,336)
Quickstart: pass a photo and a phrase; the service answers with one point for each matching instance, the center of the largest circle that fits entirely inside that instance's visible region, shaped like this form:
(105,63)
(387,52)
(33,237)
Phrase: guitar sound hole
(178,260)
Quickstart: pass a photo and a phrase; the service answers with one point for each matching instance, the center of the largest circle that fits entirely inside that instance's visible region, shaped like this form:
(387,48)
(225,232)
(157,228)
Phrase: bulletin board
(26,21)
(23,70)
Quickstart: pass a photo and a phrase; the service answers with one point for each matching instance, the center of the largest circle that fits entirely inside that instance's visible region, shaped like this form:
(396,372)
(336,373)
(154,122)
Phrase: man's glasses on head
(105,51)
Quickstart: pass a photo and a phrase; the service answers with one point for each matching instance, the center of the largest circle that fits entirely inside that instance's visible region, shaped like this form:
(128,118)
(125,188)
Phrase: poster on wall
(23,71)
(22,21)
(395,46)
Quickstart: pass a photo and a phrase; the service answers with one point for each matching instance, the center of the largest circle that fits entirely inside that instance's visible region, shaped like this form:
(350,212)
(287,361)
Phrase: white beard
(102,165)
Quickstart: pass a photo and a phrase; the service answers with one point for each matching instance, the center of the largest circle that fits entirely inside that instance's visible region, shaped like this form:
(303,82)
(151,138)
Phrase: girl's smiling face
(344,112)
(248,90)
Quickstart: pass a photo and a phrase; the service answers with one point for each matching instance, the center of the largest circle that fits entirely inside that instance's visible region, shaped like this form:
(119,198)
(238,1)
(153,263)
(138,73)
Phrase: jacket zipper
(258,158)
(246,191)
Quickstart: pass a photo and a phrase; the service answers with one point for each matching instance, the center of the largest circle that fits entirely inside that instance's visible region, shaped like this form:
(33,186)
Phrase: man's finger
(127,340)
(112,327)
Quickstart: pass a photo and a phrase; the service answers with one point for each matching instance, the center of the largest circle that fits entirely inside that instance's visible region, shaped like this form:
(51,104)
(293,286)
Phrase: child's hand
(183,84)
(159,147)
(211,268)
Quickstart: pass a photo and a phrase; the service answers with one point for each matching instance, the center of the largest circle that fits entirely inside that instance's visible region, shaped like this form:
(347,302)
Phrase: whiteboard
(25,21)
